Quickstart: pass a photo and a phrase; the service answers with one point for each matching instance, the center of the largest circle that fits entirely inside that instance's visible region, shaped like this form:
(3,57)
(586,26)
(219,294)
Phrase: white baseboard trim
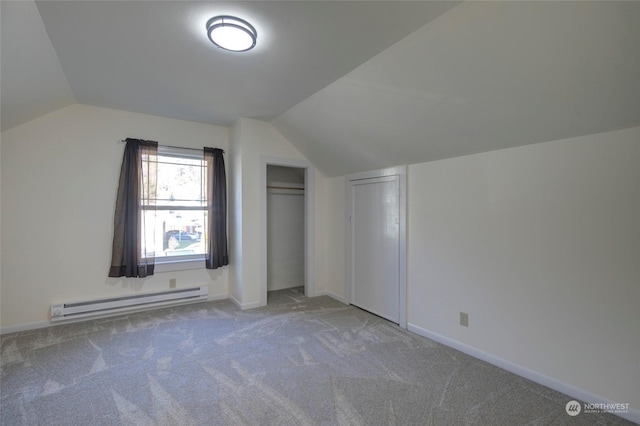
(251,305)
(24,327)
(235,301)
(336,297)
(244,306)
(535,376)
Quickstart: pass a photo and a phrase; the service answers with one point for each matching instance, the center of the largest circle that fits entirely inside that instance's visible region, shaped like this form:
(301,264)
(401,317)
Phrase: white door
(375,246)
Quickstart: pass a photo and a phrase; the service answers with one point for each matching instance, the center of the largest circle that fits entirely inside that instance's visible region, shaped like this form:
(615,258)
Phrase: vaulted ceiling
(353,85)
(484,76)
(154,56)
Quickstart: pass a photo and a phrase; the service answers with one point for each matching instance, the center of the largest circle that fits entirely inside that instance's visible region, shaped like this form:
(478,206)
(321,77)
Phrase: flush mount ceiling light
(231,33)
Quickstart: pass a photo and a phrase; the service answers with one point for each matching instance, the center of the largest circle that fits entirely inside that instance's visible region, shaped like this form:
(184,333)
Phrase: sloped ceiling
(154,56)
(353,85)
(483,76)
(32,82)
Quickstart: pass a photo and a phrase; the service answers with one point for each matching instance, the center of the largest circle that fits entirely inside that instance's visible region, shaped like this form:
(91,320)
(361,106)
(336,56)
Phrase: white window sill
(178,265)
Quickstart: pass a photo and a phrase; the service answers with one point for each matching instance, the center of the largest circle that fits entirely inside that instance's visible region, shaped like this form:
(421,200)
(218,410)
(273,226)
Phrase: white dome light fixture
(231,33)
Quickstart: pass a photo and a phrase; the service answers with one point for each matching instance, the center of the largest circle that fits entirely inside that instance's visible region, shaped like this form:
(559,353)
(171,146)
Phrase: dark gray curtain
(216,254)
(133,249)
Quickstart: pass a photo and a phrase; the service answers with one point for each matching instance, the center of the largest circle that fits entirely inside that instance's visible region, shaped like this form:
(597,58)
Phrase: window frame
(186,261)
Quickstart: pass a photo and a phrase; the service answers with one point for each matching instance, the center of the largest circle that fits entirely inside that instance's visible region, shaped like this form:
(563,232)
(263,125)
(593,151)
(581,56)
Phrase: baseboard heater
(66,311)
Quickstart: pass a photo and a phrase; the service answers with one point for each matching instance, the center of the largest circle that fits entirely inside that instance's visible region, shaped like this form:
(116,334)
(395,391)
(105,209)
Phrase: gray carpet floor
(298,361)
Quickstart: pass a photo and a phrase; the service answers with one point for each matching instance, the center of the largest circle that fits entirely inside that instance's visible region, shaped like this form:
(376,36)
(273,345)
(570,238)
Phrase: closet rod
(171,146)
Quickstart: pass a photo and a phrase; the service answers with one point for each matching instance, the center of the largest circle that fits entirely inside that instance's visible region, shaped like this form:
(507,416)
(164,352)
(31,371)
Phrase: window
(171,205)
(178,213)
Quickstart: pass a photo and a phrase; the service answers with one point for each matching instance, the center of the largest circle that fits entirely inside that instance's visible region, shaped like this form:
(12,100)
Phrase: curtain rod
(172,146)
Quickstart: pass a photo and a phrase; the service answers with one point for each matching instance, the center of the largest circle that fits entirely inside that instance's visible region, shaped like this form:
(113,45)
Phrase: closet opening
(285,223)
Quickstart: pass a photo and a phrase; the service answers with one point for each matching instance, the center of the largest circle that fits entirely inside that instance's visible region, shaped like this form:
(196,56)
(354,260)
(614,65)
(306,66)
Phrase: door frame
(401,173)
(309,224)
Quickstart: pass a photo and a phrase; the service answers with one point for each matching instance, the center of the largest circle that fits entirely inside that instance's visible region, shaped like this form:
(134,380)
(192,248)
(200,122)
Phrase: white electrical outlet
(172,283)
(464,319)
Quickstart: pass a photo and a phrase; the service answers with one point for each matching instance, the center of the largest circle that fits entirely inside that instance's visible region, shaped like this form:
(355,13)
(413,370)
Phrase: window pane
(149,178)
(180,182)
(178,232)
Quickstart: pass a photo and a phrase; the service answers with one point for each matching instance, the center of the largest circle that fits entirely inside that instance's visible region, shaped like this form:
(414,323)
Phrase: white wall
(234,177)
(0,231)
(253,139)
(540,245)
(59,181)
(336,238)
